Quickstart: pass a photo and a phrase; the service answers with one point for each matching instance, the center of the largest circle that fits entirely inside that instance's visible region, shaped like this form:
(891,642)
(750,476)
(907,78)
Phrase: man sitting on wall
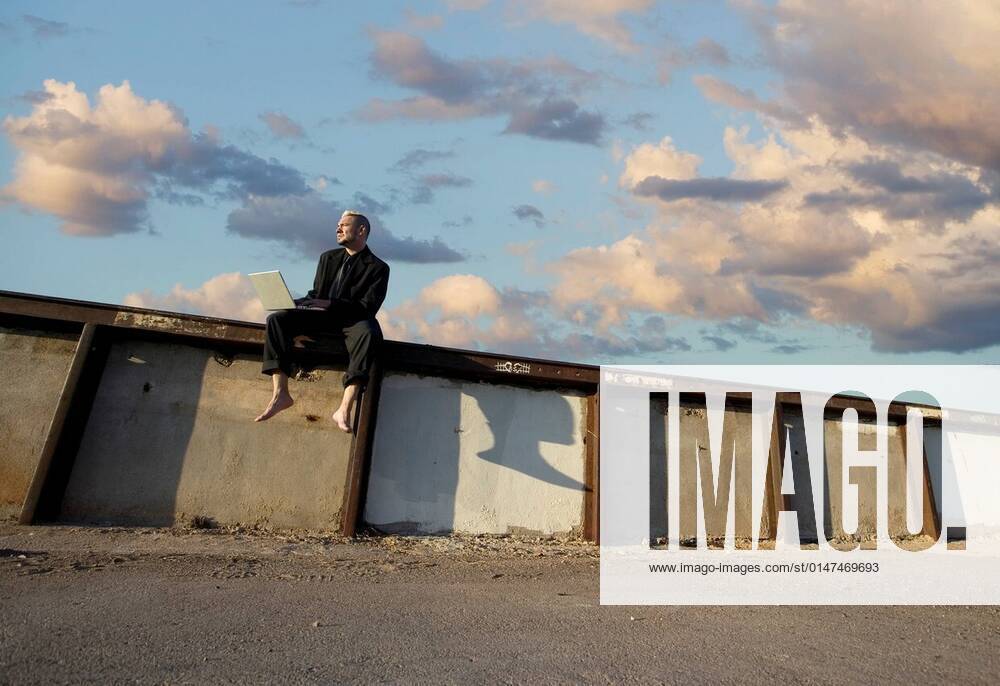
(349,288)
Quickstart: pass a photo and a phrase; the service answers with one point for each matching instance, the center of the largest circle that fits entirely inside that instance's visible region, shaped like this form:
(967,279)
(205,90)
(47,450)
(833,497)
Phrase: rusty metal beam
(592,474)
(931,524)
(55,463)
(121,316)
(397,356)
(480,366)
(359,462)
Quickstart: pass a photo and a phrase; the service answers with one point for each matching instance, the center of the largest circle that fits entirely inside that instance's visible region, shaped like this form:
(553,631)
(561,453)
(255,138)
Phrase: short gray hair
(362,219)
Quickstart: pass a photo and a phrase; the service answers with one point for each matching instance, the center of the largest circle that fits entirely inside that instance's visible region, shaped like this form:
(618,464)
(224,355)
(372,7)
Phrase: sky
(617,181)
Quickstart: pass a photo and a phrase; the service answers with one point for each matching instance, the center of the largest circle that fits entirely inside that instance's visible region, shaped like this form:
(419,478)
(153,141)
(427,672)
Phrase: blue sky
(624,181)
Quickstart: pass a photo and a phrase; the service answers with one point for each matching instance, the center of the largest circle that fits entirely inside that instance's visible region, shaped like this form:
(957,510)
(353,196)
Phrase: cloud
(537,96)
(664,172)
(446,312)
(770,241)
(639,120)
(877,240)
(600,19)
(462,295)
(941,196)
(878,70)
(282,126)
(663,160)
(422,22)
(424,185)
(306,224)
(427,184)
(44,29)
(705,51)
(789,348)
(466,5)
(725,93)
(96,167)
(719,189)
(558,120)
(543,186)
(719,343)
(529,213)
(418,157)
(35,97)
(230,296)
(407,61)
(365,203)
(467,311)
(465,221)
(445,181)
(322,182)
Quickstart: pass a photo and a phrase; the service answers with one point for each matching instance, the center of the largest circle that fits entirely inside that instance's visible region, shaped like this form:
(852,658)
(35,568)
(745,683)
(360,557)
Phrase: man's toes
(341,422)
(276,406)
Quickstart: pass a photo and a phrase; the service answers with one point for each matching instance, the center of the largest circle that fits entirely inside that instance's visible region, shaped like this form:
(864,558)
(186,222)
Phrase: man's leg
(282,328)
(362,341)
(281,399)
(342,415)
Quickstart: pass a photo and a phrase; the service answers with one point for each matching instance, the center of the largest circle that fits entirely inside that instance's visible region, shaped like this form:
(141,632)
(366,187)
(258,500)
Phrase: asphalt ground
(100,605)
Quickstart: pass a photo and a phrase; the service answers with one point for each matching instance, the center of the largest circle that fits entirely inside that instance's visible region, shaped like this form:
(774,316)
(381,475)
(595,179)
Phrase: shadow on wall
(518,436)
(453,456)
(130,459)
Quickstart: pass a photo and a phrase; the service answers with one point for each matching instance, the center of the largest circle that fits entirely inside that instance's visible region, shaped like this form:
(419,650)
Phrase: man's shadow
(519,429)
(433,438)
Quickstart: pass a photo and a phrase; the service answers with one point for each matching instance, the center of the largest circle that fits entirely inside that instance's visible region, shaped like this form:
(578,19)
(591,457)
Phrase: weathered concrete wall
(799,481)
(35,365)
(453,456)
(970,482)
(171,436)
(696,453)
(857,512)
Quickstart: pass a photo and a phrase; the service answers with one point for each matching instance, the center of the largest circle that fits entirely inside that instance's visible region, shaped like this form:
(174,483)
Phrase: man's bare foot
(341,419)
(280,402)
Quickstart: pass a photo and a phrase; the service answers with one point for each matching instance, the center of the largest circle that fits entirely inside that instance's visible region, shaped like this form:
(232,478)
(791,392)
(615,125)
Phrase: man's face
(349,231)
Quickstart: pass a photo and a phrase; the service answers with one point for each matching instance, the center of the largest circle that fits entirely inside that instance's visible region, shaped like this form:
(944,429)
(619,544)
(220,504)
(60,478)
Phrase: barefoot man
(349,288)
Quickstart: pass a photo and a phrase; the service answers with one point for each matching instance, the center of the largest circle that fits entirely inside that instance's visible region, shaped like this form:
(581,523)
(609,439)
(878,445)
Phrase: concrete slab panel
(35,365)
(458,456)
(171,437)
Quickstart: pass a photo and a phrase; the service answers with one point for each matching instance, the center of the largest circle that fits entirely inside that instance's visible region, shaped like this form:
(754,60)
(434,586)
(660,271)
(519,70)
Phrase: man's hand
(312,302)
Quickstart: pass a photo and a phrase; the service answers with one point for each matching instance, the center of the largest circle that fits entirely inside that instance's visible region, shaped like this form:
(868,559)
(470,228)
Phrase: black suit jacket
(362,290)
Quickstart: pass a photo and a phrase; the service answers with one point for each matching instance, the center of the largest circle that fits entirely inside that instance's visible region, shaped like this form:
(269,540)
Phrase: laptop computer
(272,291)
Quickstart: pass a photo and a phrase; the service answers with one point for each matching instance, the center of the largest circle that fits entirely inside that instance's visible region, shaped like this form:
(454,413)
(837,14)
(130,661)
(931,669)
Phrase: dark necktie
(341,277)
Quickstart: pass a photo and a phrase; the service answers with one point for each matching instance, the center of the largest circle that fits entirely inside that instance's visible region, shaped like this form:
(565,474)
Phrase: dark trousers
(362,340)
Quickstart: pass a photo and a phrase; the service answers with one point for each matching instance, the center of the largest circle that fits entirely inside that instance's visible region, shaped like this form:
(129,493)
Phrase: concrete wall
(857,513)
(452,456)
(695,451)
(171,436)
(35,365)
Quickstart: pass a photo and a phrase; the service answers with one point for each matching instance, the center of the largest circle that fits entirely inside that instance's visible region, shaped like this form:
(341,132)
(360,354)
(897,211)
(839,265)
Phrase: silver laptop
(272,291)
